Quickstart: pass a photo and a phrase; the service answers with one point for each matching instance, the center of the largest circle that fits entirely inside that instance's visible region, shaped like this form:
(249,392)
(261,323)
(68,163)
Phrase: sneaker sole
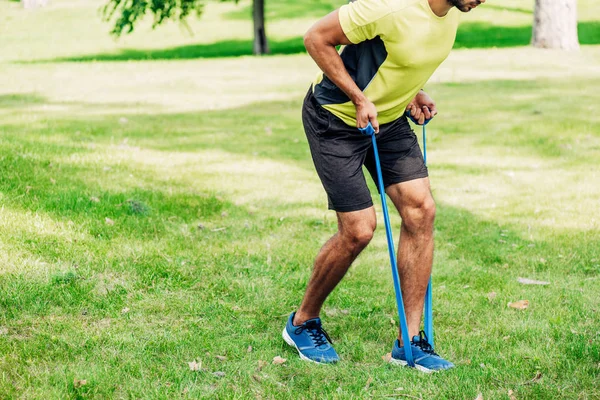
(289,341)
(417,366)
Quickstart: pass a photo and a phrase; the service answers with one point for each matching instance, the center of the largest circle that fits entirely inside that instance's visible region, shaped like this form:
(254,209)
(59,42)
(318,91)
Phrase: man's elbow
(309,40)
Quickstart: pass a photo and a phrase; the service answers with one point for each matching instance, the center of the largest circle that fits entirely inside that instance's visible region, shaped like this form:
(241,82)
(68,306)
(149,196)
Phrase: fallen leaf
(125,310)
(109,221)
(368,384)
(221,358)
(387,357)
(194,366)
(79,382)
(466,287)
(537,377)
(519,305)
(249,349)
(479,397)
(331,312)
(491,296)
(392,322)
(219,374)
(511,395)
(94,199)
(236,308)
(527,281)
(53,181)
(506,338)
(257,378)
(278,360)
(543,260)
(261,365)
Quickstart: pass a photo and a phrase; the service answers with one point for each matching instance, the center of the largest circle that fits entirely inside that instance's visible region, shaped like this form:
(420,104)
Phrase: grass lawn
(159,219)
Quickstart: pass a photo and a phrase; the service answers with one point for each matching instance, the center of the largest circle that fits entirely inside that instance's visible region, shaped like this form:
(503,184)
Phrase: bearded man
(390,49)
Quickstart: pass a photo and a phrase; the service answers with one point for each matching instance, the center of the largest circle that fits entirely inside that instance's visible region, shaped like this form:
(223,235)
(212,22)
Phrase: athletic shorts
(339,152)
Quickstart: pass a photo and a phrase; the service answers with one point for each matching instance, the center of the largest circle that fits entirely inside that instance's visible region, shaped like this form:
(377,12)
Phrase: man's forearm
(330,62)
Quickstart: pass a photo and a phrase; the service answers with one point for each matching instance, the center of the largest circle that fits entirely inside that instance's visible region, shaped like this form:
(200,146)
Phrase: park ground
(159,213)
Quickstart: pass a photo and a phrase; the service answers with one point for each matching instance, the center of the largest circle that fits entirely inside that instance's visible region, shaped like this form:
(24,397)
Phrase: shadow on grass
(510,9)
(472,35)
(16,100)
(482,35)
(226,48)
(286,9)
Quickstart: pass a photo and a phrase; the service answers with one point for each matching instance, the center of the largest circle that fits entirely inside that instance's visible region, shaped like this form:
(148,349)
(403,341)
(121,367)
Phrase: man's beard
(464,5)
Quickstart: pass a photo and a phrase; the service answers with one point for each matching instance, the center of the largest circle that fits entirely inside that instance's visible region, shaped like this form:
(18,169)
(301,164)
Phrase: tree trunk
(555,24)
(261,46)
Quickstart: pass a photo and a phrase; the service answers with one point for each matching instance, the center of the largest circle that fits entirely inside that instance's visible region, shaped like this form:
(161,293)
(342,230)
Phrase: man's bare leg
(355,230)
(415,204)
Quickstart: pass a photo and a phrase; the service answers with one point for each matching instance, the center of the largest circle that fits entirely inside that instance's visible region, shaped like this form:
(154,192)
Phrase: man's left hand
(422,107)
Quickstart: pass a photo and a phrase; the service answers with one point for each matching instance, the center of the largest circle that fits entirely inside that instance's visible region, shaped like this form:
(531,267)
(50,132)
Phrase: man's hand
(422,107)
(365,113)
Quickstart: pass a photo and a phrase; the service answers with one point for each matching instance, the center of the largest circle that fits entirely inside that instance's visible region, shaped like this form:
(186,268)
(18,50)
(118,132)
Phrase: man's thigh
(399,153)
(338,152)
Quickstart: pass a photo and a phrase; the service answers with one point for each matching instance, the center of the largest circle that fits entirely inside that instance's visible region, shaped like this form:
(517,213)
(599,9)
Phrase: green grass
(165,210)
(280,10)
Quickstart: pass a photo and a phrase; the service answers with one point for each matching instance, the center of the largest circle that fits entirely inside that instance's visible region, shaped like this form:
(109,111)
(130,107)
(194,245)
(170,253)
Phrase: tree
(555,24)
(128,12)
(261,46)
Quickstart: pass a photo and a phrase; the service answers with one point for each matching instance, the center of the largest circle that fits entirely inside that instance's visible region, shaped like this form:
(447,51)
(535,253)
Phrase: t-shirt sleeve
(364,19)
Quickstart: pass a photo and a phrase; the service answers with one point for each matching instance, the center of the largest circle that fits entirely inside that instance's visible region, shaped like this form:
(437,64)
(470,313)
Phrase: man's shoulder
(389,5)
(400,5)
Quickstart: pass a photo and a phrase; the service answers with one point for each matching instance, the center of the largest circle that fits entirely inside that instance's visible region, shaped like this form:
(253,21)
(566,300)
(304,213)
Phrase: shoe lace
(423,344)
(316,332)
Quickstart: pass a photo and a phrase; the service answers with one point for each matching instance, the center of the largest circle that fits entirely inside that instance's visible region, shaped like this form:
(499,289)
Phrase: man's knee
(419,217)
(359,233)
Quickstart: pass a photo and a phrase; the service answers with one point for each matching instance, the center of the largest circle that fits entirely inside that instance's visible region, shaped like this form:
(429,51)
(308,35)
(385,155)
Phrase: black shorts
(339,151)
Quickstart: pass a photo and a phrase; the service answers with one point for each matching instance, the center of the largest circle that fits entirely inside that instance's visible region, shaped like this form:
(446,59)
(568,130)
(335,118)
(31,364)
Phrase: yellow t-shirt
(398,46)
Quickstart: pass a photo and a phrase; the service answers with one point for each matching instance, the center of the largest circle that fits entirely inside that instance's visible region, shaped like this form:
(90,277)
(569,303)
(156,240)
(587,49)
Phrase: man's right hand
(365,113)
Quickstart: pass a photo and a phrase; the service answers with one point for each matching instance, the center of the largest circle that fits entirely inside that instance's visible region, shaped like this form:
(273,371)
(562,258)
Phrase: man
(391,48)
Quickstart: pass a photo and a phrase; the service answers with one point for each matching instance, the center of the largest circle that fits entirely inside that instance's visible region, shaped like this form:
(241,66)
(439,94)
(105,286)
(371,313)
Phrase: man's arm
(422,107)
(320,42)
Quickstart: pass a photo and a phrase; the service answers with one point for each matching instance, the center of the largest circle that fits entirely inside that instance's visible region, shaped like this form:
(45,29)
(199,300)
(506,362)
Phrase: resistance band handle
(407,113)
(367,130)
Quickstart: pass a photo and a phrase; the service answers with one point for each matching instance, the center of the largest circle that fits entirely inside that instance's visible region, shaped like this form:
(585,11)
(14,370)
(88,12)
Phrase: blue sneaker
(311,341)
(426,360)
